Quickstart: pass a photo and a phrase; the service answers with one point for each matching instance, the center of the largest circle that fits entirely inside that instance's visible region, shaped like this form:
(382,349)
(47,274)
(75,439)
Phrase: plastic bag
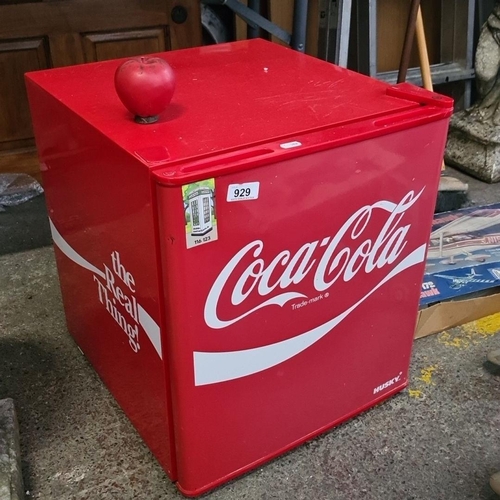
(16,189)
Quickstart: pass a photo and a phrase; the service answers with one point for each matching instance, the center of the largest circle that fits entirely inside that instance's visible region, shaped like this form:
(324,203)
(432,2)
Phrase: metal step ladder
(334,31)
(250,14)
(334,25)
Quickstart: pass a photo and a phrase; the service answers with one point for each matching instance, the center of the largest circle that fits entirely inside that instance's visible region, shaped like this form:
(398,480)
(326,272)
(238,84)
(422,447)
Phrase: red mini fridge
(245,273)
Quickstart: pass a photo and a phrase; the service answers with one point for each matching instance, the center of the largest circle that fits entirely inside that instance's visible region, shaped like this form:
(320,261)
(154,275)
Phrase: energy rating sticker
(199,212)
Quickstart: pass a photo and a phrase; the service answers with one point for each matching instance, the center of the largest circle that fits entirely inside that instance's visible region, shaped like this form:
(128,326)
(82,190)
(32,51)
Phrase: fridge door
(296,308)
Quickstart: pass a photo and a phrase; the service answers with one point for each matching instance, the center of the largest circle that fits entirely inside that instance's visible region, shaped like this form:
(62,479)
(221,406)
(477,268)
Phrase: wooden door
(51,33)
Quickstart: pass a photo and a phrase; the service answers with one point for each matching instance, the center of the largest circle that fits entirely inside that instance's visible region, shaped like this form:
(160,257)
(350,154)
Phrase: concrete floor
(437,440)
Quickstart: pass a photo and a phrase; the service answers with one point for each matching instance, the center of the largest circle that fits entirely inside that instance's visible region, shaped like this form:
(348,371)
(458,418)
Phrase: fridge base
(268,458)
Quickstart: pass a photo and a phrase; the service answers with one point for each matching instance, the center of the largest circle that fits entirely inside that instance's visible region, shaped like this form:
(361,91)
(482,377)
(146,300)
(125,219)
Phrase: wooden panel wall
(392,16)
(52,33)
(17,57)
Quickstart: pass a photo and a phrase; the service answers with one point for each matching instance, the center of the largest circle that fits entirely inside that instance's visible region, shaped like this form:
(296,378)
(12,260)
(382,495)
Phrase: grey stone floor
(439,439)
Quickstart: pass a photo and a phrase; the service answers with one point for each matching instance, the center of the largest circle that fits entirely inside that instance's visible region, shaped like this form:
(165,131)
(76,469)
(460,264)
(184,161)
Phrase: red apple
(145,85)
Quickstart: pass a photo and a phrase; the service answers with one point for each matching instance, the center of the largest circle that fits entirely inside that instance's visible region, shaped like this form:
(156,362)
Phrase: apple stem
(144,120)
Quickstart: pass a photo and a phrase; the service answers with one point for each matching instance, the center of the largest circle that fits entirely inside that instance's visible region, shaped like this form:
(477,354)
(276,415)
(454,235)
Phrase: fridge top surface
(228,97)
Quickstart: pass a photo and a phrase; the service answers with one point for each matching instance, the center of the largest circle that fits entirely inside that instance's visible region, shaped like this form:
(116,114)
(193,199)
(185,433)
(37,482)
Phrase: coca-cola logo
(355,249)
(342,257)
(116,290)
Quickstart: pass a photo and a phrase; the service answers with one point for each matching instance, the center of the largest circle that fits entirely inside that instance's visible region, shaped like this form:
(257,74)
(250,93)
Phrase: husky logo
(336,258)
(387,384)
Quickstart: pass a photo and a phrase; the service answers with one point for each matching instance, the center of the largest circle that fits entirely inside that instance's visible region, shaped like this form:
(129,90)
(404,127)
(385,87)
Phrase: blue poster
(463,254)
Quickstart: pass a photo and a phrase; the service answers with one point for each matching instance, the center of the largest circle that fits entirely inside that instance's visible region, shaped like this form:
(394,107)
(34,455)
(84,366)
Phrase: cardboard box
(462,278)
(444,315)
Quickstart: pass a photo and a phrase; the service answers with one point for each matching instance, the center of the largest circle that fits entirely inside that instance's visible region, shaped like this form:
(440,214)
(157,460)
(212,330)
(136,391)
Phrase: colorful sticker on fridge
(199,212)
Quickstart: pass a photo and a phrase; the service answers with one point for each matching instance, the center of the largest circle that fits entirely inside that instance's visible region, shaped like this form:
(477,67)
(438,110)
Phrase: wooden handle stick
(425,67)
(423,55)
(408,42)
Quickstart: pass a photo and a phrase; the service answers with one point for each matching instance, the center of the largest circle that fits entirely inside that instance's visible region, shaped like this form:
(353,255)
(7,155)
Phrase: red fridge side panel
(299,310)
(102,219)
